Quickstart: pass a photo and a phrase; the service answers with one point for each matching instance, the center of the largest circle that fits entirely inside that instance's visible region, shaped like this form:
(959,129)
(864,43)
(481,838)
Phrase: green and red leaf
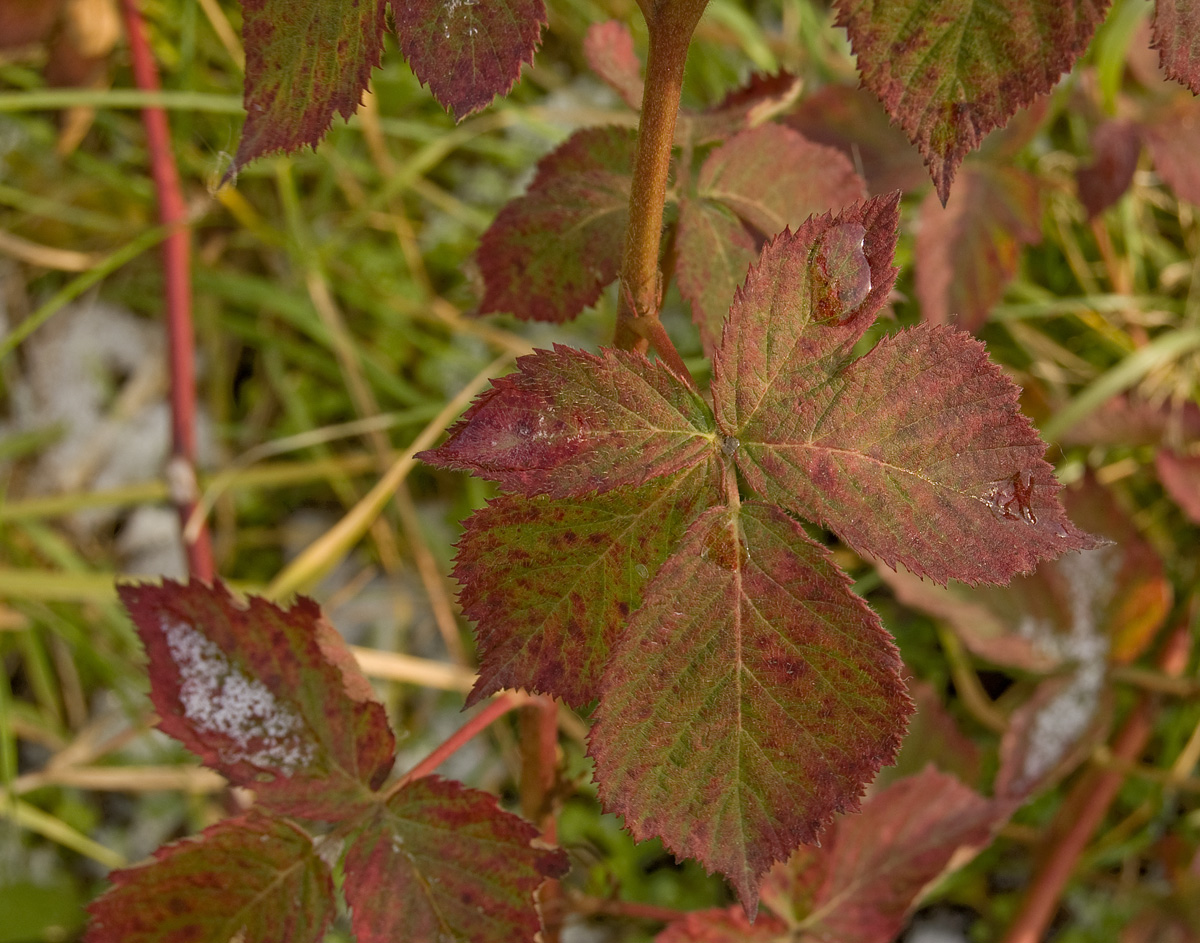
(715,250)
(549,253)
(751,698)
(1176,32)
(305,60)
(468,51)
(570,423)
(967,251)
(608,49)
(439,861)
(949,71)
(255,879)
(271,698)
(574,573)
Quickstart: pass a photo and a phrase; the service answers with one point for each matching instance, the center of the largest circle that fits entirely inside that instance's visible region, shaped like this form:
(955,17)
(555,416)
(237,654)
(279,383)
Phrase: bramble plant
(656,548)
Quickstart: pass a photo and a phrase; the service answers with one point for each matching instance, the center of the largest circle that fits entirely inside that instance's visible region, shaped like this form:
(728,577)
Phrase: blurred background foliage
(333,295)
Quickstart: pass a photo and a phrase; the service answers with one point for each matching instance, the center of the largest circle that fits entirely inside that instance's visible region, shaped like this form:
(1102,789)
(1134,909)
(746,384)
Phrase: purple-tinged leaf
(967,251)
(949,71)
(1127,421)
(1176,32)
(270,698)
(569,423)
(1180,475)
(255,879)
(468,51)
(549,253)
(573,573)
(752,696)
(443,862)
(754,104)
(871,870)
(773,178)
(933,738)
(728,925)
(305,60)
(1116,146)
(608,49)
(853,121)
(715,250)
(1173,139)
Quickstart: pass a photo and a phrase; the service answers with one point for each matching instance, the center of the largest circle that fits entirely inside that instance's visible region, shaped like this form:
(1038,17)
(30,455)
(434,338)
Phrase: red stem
(452,744)
(172,211)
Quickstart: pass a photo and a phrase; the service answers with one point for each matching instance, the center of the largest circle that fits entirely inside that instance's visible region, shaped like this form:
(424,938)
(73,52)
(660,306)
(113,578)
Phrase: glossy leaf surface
(468,51)
(949,71)
(548,253)
(443,862)
(775,695)
(269,697)
(254,878)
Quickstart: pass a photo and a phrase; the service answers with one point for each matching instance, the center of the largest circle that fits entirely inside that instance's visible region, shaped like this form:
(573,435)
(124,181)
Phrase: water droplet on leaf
(842,274)
(641,570)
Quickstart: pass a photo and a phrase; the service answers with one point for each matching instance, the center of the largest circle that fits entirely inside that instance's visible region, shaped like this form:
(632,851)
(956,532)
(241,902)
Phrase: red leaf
(269,697)
(466,51)
(256,879)
(573,573)
(776,695)
(852,120)
(1176,32)
(762,98)
(1116,146)
(549,253)
(967,252)
(608,49)
(715,250)
(440,861)
(873,867)
(730,925)
(569,423)
(305,60)
(773,178)
(949,71)
(1173,139)
(917,452)
(1180,475)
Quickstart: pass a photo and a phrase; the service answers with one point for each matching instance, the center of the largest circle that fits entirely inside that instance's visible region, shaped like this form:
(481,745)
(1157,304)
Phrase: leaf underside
(254,878)
(949,71)
(270,698)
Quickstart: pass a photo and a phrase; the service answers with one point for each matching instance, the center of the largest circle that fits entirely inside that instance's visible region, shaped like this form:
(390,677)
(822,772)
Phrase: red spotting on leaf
(949,71)
(873,867)
(468,51)
(548,254)
(1176,32)
(772,177)
(573,573)
(255,879)
(1116,146)
(270,698)
(305,60)
(1180,475)
(608,49)
(714,250)
(443,862)
(1173,138)
(728,925)
(569,423)
(853,121)
(752,696)
(967,251)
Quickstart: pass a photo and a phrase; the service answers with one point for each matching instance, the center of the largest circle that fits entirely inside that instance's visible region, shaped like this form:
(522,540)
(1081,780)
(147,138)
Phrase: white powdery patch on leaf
(217,697)
(1090,576)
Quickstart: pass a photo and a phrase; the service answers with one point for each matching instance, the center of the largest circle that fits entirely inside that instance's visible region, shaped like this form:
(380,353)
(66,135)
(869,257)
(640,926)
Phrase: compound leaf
(574,572)
(569,423)
(916,453)
(751,697)
(305,60)
(549,253)
(255,878)
(949,71)
(608,49)
(439,861)
(468,51)
(967,251)
(715,250)
(269,697)
(1176,36)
